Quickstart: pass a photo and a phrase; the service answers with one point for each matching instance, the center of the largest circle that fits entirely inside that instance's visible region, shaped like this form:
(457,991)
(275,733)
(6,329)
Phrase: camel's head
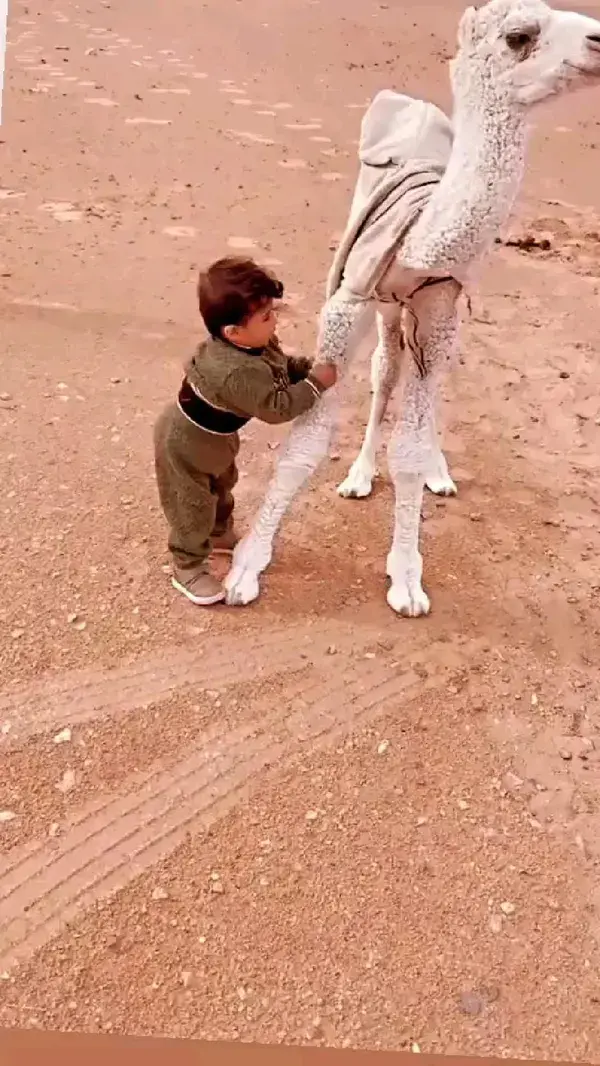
(529,50)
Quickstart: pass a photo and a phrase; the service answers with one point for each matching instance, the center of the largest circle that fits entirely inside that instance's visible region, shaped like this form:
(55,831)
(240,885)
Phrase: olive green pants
(196,474)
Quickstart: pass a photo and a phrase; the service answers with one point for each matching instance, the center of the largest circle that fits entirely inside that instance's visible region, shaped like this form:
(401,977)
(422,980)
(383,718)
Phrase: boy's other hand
(325,374)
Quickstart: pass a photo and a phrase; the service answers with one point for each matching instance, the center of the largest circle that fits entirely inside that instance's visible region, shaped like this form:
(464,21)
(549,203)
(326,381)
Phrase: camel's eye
(520,40)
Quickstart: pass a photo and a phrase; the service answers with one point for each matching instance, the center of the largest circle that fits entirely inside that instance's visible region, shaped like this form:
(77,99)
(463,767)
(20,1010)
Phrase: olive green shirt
(262,383)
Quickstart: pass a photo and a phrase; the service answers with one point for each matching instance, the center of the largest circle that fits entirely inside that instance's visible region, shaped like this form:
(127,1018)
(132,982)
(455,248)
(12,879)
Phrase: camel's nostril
(594,38)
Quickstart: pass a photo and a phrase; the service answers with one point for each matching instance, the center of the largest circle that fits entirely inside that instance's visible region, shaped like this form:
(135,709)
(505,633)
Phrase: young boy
(239,373)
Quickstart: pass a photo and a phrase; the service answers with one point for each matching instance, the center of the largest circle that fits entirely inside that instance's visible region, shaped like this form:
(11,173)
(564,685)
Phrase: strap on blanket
(412,341)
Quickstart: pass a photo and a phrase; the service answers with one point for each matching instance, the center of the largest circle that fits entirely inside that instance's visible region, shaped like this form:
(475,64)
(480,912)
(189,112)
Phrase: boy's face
(257,330)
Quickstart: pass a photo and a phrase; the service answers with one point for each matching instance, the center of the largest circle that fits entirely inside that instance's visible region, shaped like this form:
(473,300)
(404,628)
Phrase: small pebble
(507,908)
(7,816)
(67,782)
(63,736)
(159,894)
(496,923)
(311,816)
(383,747)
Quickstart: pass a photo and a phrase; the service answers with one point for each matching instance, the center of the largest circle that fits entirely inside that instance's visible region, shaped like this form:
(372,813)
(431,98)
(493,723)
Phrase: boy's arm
(298,368)
(258,395)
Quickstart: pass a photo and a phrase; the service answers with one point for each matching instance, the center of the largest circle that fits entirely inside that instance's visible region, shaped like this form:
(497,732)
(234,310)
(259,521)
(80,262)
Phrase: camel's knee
(409,453)
(344,321)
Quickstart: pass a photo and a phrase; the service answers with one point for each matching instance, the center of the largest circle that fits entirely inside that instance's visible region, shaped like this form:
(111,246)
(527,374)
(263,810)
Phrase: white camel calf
(430,200)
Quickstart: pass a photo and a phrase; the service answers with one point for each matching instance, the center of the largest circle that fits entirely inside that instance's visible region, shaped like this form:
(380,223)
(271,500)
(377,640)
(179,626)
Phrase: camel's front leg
(413,451)
(385,371)
(304,450)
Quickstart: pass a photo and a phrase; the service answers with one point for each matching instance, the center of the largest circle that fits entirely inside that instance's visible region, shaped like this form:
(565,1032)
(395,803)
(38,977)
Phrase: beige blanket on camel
(404,149)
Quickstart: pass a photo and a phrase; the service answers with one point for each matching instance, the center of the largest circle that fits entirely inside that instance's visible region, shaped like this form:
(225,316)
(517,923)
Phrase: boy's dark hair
(232,289)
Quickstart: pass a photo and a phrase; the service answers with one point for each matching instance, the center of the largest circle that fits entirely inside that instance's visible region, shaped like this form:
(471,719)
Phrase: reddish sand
(307,821)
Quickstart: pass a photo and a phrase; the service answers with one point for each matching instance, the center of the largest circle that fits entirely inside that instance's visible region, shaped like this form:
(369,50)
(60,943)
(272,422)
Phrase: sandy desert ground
(307,821)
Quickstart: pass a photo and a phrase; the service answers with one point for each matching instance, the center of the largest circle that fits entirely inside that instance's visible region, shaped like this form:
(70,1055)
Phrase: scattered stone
(463,805)
(67,782)
(54,830)
(422,821)
(217,887)
(416,1050)
(311,816)
(159,894)
(507,908)
(511,781)
(383,747)
(5,397)
(17,634)
(7,816)
(186,977)
(496,923)
(63,737)
(471,1003)
(566,755)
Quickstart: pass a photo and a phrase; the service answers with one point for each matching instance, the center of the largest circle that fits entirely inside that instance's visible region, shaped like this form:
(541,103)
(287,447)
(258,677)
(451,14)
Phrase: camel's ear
(466,28)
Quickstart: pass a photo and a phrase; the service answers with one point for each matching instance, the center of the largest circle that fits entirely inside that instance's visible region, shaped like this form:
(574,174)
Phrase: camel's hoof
(241,587)
(441,486)
(409,603)
(358,484)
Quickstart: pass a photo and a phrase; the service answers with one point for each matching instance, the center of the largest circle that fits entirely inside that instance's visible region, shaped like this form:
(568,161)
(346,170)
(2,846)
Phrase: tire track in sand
(85,695)
(47,884)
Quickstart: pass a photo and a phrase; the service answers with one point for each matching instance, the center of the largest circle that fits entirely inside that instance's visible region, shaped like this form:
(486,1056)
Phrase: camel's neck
(479,187)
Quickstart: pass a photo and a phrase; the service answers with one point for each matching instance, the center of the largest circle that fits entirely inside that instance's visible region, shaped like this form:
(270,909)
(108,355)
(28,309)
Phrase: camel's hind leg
(413,451)
(386,363)
(438,480)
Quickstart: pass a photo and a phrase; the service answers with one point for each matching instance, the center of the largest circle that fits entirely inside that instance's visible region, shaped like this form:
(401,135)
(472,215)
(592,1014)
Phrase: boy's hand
(325,374)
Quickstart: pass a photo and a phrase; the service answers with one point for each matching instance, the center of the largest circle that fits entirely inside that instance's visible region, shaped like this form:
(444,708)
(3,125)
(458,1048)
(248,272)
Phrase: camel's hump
(397,128)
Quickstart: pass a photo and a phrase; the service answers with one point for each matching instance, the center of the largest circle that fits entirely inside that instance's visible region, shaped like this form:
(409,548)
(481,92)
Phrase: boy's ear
(228,332)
